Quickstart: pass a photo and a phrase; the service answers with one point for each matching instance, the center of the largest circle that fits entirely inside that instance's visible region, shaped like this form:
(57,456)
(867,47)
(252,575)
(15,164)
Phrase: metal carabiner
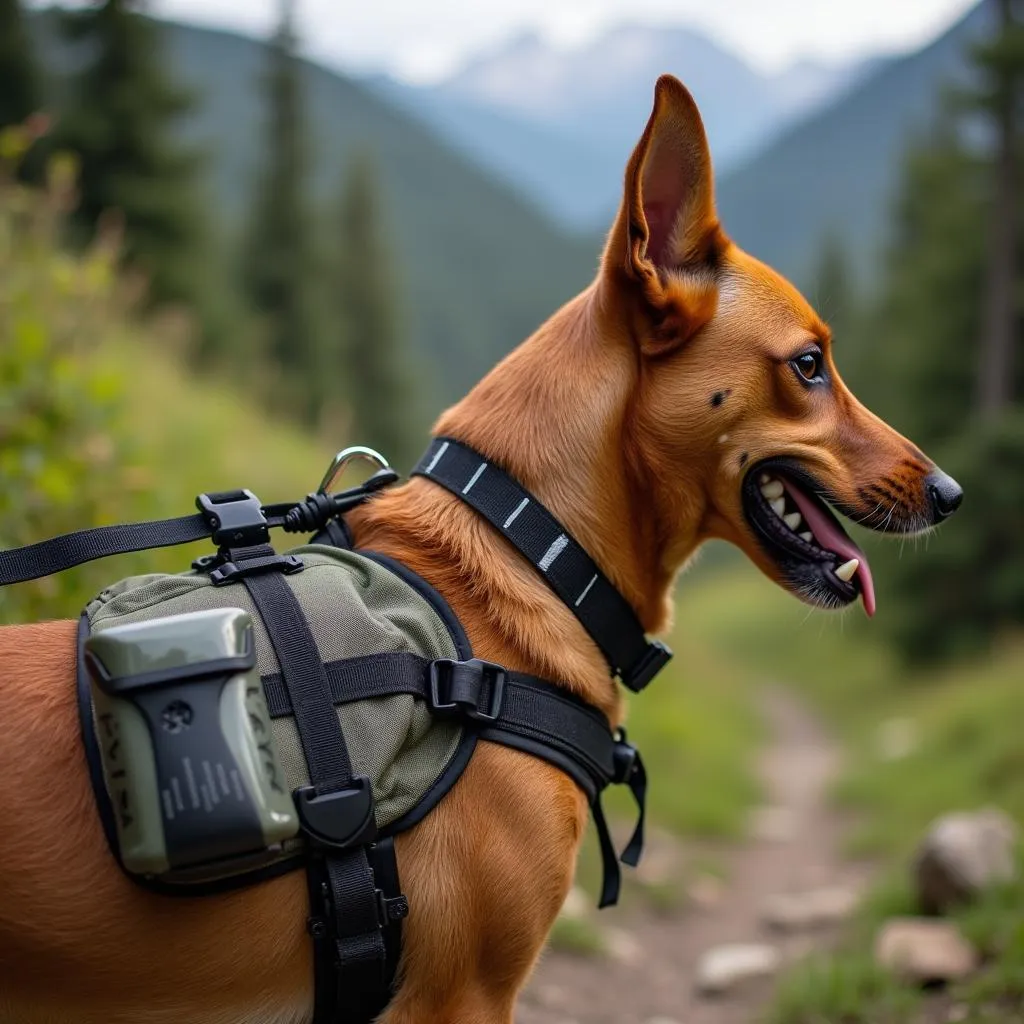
(345,456)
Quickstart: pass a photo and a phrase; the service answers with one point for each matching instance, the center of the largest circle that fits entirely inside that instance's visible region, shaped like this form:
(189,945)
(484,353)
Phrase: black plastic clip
(338,820)
(655,657)
(462,685)
(391,909)
(235,518)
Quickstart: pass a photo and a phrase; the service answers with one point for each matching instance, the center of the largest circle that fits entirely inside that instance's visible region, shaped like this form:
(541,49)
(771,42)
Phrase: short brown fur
(606,415)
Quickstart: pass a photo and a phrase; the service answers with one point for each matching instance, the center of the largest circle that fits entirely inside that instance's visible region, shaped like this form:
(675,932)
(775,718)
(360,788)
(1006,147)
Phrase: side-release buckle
(235,518)
(338,820)
(475,687)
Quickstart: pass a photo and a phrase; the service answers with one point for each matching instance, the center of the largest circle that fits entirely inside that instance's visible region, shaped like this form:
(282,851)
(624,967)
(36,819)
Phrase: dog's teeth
(807,536)
(778,506)
(792,520)
(772,489)
(765,478)
(847,569)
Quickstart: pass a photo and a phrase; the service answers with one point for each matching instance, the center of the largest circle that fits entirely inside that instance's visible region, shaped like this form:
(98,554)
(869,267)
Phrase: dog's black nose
(945,494)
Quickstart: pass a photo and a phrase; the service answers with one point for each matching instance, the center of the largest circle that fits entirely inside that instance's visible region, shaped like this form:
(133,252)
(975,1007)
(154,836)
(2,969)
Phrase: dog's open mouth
(817,560)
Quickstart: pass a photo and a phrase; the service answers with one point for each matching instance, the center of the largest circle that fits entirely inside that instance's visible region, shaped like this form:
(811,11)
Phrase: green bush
(957,590)
(60,458)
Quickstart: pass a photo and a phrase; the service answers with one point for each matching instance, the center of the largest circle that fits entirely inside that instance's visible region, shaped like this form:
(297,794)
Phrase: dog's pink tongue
(831,537)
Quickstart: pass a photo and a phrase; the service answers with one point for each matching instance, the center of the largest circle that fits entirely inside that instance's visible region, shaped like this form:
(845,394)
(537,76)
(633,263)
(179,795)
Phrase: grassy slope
(966,717)
(969,752)
(186,436)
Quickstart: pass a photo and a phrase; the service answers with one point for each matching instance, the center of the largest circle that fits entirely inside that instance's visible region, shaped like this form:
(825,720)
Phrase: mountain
(479,266)
(835,171)
(559,124)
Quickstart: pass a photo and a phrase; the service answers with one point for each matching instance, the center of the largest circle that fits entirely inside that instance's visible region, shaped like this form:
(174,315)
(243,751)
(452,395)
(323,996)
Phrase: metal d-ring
(345,456)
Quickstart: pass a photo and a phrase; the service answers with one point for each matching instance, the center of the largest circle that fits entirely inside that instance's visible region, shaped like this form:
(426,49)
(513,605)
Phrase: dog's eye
(809,366)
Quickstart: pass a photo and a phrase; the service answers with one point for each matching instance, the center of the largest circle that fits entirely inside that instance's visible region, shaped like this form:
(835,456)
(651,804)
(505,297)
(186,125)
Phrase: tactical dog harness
(265,712)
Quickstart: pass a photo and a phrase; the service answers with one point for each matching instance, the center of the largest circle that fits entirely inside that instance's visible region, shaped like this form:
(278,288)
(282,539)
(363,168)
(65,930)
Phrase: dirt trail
(793,849)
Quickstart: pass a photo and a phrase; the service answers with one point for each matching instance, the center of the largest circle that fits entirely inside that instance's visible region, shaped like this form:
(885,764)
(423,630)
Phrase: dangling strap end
(630,771)
(611,875)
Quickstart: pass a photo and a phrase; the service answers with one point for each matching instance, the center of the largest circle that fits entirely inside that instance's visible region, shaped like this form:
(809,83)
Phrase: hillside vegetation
(478,267)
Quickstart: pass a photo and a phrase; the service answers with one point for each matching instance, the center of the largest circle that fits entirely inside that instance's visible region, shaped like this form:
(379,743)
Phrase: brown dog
(682,394)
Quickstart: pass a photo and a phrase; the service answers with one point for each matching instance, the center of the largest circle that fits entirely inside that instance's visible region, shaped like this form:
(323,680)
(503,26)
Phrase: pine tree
(278,265)
(381,398)
(1002,65)
(120,120)
(917,348)
(20,93)
(946,357)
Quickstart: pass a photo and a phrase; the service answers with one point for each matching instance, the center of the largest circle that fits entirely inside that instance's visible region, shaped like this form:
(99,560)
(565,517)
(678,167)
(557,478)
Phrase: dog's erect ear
(667,220)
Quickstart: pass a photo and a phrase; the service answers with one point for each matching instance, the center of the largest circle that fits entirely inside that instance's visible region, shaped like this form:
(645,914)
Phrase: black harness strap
(573,575)
(218,517)
(70,549)
(355,901)
(352,981)
(511,708)
(302,673)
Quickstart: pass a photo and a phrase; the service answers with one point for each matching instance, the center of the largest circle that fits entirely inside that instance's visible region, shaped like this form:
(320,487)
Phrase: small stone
(723,968)
(958,1012)
(962,854)
(773,825)
(790,912)
(924,950)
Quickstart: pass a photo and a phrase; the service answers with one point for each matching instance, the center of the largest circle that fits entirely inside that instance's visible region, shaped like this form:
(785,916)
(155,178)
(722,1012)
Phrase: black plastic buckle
(338,820)
(651,662)
(235,518)
(446,674)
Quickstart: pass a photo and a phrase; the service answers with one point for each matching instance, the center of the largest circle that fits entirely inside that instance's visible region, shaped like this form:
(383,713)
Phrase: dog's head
(739,400)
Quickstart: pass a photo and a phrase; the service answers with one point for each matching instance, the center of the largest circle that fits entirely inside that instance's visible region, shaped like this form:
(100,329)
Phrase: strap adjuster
(655,657)
(235,518)
(462,685)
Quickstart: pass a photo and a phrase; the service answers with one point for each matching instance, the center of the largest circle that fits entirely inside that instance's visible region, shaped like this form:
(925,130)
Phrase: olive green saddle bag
(356,605)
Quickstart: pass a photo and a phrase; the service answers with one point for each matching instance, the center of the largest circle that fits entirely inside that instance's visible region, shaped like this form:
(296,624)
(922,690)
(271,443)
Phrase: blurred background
(236,236)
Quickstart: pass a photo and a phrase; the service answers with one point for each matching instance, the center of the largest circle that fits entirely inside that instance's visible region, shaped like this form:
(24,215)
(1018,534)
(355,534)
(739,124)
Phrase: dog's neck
(559,414)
